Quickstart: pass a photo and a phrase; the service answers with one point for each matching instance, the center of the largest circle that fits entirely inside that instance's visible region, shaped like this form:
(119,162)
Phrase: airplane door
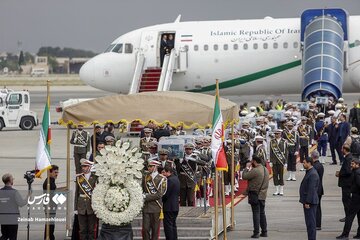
(148,45)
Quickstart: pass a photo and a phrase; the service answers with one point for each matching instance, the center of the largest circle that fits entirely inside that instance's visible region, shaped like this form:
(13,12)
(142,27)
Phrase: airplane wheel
(27,123)
(2,124)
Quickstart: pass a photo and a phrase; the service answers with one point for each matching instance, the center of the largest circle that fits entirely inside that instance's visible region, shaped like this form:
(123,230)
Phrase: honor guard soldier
(305,136)
(165,161)
(206,156)
(278,159)
(228,153)
(154,187)
(291,136)
(260,150)
(147,139)
(187,168)
(85,183)
(81,141)
(245,152)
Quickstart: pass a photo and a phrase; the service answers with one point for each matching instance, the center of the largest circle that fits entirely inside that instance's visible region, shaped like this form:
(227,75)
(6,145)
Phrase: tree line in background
(13,61)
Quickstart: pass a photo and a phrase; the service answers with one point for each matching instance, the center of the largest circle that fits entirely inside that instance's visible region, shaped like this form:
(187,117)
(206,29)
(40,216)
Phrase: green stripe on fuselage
(249,78)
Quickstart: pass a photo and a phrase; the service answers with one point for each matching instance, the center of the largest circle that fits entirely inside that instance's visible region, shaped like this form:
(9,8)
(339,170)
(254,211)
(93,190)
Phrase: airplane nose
(87,72)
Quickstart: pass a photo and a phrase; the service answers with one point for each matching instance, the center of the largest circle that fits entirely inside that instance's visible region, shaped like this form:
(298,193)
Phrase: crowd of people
(264,141)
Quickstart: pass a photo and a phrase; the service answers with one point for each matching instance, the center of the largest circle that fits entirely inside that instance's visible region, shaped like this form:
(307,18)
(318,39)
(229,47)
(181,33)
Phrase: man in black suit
(171,203)
(355,202)
(332,136)
(343,133)
(345,178)
(320,170)
(309,197)
(354,116)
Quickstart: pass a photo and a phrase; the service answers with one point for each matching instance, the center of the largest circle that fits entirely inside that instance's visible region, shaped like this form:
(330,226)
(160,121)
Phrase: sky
(93,24)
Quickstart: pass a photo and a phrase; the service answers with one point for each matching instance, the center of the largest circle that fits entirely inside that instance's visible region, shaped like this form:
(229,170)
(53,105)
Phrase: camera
(29,176)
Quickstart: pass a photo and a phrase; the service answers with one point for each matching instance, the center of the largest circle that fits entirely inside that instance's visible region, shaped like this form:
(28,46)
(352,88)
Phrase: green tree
(21,59)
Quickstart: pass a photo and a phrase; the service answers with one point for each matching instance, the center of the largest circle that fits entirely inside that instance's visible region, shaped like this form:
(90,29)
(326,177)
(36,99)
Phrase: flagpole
(223,204)
(68,221)
(223,201)
(216,191)
(94,143)
(216,187)
(48,171)
(232,175)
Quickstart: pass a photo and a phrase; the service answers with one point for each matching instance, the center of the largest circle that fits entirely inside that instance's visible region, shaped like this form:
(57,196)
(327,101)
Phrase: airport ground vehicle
(15,111)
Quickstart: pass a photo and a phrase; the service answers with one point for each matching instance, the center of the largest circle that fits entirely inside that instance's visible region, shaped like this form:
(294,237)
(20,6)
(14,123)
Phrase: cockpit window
(109,48)
(128,48)
(118,48)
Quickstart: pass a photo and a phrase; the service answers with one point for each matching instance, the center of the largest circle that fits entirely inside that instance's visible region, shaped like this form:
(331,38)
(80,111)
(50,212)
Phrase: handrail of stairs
(169,71)
(163,73)
(135,84)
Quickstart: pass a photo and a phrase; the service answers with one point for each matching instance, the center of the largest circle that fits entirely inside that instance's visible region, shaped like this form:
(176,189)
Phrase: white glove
(296,153)
(76,212)
(271,164)
(285,165)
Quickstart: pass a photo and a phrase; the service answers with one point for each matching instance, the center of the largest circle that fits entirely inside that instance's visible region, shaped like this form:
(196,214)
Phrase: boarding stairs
(149,79)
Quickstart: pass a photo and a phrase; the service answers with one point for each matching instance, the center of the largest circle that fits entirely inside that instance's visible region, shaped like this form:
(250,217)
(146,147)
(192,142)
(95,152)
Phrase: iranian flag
(217,139)
(43,158)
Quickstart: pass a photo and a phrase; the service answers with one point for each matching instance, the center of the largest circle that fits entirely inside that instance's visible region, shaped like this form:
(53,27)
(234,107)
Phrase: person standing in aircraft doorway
(170,43)
(163,48)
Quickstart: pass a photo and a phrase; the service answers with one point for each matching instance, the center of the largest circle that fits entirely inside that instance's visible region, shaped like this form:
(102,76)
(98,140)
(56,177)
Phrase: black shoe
(334,163)
(357,236)
(342,237)
(255,235)
(263,234)
(342,220)
(318,228)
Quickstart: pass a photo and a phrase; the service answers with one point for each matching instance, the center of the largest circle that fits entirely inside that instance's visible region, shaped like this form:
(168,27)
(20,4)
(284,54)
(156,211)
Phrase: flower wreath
(117,199)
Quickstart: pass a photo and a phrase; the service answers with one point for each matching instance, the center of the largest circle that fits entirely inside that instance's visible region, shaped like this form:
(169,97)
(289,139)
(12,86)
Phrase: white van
(37,72)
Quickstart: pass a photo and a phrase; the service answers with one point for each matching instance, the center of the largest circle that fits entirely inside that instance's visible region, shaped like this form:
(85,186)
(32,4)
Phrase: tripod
(28,206)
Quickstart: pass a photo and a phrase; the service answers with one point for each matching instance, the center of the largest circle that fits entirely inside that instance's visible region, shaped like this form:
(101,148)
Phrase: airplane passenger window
(226,47)
(236,47)
(128,48)
(118,48)
(109,48)
(206,47)
(285,45)
(245,46)
(255,46)
(196,47)
(216,47)
(265,45)
(296,44)
(275,45)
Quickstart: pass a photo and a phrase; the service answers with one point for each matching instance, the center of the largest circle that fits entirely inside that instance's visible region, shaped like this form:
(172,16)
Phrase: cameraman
(9,208)
(54,171)
(258,183)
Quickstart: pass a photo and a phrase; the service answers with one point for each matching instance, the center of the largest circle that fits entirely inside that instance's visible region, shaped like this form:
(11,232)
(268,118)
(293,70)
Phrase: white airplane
(262,56)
